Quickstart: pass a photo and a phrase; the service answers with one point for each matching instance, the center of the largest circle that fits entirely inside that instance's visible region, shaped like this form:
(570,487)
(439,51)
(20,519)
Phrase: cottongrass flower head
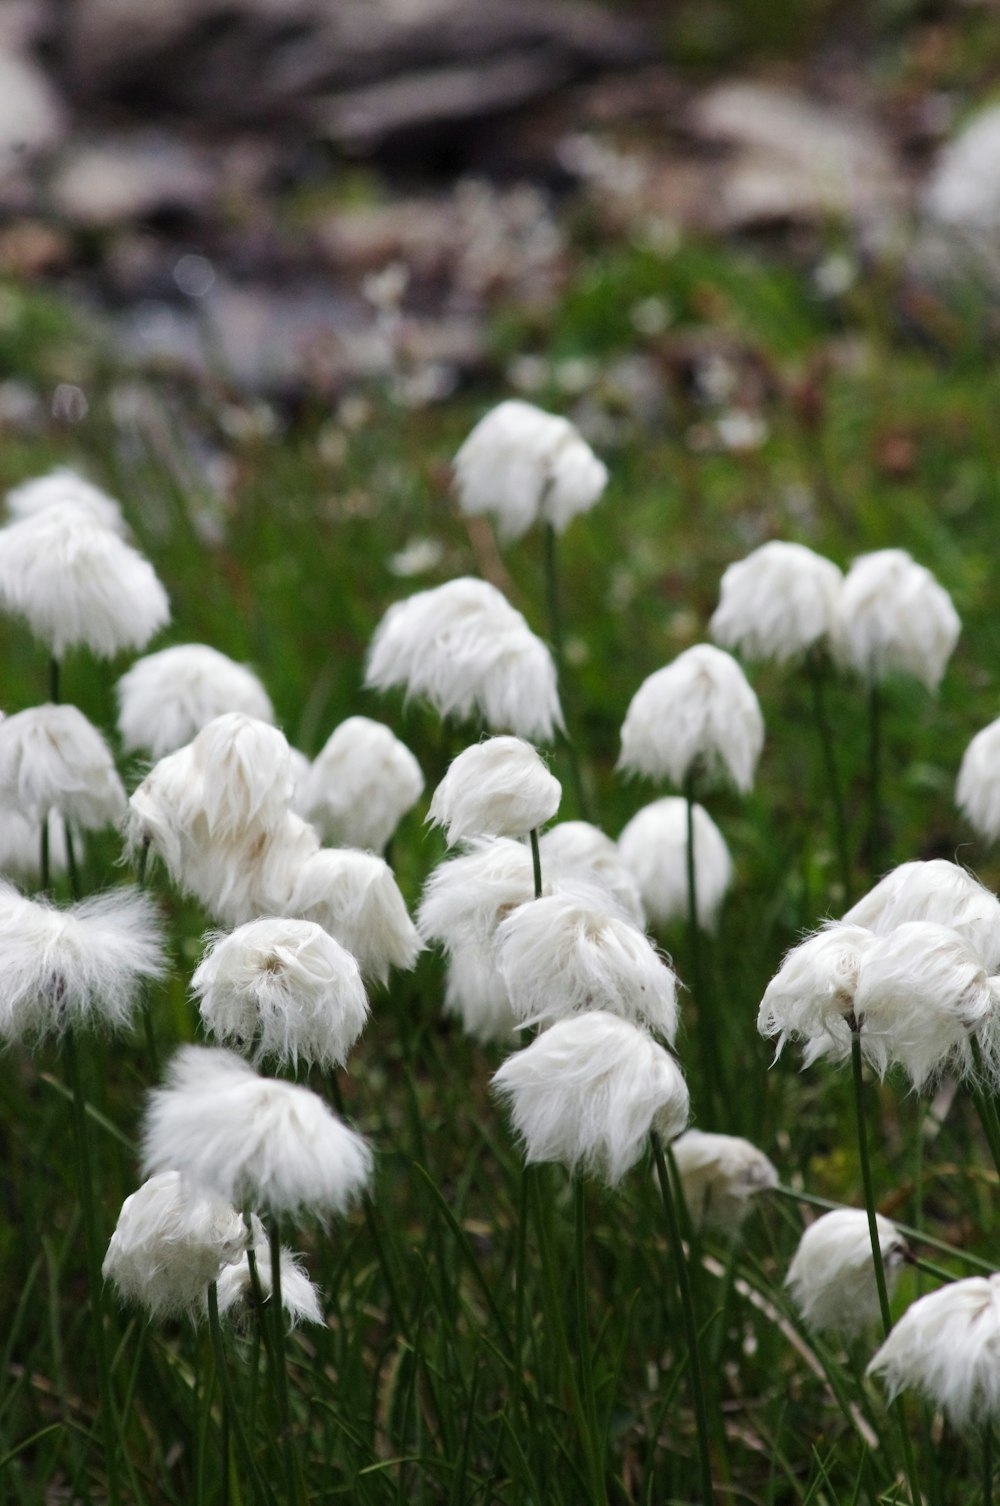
(299,1298)
(78,584)
(464,648)
(569,952)
(245,768)
(778,603)
(360,785)
(166,699)
(946,1346)
(66,486)
(811,997)
(939,891)
(893,616)
(498,788)
(283,989)
(977,792)
(354,896)
(171,1242)
(588,1092)
(721,1176)
(832,1274)
(63,969)
(466,898)
(520,464)
(475,993)
(577,849)
(653,847)
(53,759)
(253,1140)
(696,716)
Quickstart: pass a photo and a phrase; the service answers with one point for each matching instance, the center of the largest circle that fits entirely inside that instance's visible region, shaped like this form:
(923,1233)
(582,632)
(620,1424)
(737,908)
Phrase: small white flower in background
(777,603)
(466,898)
(78,584)
(893,616)
(977,792)
(354,896)
(497,788)
(78,967)
(939,891)
(171,1241)
(165,699)
(476,994)
(812,994)
(465,649)
(299,1298)
(589,1090)
(245,767)
(653,847)
(740,430)
(284,989)
(696,716)
(52,758)
(576,849)
(832,1274)
(20,846)
(418,557)
(360,785)
(521,464)
(64,485)
(568,952)
(721,1175)
(253,1140)
(946,1346)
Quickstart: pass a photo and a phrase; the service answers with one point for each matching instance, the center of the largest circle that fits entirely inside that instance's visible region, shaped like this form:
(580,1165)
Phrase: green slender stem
(875,861)
(232,1409)
(280,1372)
(814,669)
(708,1049)
(44,857)
(54,669)
(928,1268)
(987,1464)
(520,1272)
(71,864)
(556,639)
(582,1319)
(536,862)
(142,863)
(690,1326)
(985,1103)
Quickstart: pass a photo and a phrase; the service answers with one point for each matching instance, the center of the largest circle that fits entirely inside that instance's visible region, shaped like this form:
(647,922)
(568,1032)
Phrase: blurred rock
(123,179)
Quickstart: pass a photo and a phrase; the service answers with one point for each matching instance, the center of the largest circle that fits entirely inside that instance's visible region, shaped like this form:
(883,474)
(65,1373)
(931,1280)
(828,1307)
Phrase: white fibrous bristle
(498,788)
(894,617)
(778,603)
(360,785)
(466,898)
(53,759)
(65,486)
(354,896)
(945,1347)
(832,1274)
(299,1298)
(166,699)
(654,848)
(476,994)
(720,1176)
(578,850)
(977,792)
(938,891)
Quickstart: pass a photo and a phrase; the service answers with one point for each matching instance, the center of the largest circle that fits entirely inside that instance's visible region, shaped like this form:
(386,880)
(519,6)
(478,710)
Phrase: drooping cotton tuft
(521,464)
(53,759)
(946,1346)
(299,1298)
(78,584)
(466,898)
(465,649)
(576,849)
(721,1175)
(696,716)
(777,603)
(165,699)
(589,1090)
(476,994)
(811,996)
(939,891)
(171,1241)
(498,788)
(65,486)
(361,785)
(354,896)
(568,953)
(832,1274)
(654,846)
(977,792)
(246,775)
(252,1139)
(283,989)
(893,616)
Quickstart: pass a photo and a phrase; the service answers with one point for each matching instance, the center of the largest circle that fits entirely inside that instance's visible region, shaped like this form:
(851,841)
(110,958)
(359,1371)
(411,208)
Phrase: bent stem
(814,669)
(556,638)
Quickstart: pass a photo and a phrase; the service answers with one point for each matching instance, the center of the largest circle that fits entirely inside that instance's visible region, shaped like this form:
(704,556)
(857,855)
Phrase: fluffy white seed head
(498,788)
(812,995)
(171,1241)
(79,584)
(569,952)
(977,793)
(521,464)
(53,759)
(720,1175)
(283,989)
(946,1346)
(165,699)
(588,1091)
(246,775)
(698,715)
(476,994)
(464,648)
(83,966)
(65,486)
(361,785)
(576,849)
(299,1298)
(832,1274)
(253,1140)
(354,896)
(654,846)
(466,898)
(938,891)
(893,616)
(777,603)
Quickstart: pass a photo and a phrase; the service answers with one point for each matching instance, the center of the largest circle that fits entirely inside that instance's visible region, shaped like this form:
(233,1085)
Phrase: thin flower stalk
(262,1494)
(816,671)
(876,863)
(708,1052)
(292,1477)
(573,758)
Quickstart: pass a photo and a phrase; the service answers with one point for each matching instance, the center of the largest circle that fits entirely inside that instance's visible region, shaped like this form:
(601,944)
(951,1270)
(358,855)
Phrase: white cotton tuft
(811,996)
(589,1090)
(777,603)
(171,1241)
(654,847)
(65,486)
(832,1274)
(946,1346)
(360,785)
(720,1175)
(939,891)
(568,953)
(465,649)
(977,792)
(78,967)
(696,716)
(893,616)
(165,699)
(521,464)
(79,584)
(52,758)
(299,1298)
(251,1139)
(578,850)
(466,898)
(283,989)
(20,847)
(476,994)
(245,768)
(498,788)
(354,896)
